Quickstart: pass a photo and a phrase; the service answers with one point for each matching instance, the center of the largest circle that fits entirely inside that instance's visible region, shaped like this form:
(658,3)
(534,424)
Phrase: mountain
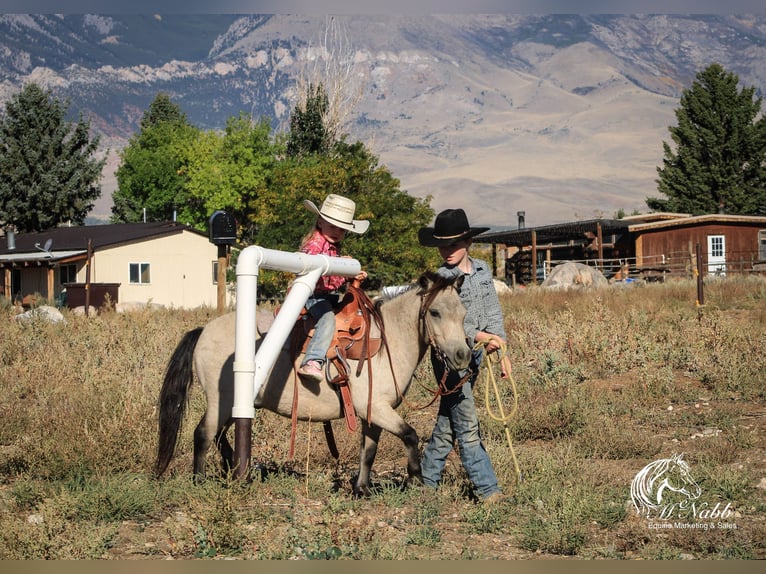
(560,116)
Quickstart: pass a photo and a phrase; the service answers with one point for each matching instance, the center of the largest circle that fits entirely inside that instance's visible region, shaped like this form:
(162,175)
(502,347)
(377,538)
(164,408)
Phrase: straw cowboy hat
(339,211)
(451,226)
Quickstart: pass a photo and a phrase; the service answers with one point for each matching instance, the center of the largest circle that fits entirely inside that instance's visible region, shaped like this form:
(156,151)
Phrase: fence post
(700,290)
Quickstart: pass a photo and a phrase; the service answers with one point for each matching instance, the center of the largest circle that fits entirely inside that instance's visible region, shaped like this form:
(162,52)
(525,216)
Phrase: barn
(652,246)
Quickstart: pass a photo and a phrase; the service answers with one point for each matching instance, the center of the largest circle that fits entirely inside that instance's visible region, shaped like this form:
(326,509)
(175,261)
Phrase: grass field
(607,382)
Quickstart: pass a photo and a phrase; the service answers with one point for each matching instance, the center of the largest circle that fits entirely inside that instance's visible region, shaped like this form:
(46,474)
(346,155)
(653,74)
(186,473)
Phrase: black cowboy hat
(450,226)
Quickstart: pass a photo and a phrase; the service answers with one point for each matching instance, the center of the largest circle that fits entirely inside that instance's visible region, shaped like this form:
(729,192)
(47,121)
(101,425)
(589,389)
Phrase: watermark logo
(665,491)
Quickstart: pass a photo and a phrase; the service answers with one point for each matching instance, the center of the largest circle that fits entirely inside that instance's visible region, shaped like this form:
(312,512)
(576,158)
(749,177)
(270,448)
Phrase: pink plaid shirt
(318,245)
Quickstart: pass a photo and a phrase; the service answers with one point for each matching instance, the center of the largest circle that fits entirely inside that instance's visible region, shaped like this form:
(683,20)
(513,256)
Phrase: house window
(67,274)
(762,245)
(716,246)
(139,273)
(215,272)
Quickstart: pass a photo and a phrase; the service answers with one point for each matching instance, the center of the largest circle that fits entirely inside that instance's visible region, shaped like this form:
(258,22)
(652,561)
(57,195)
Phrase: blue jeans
(457,421)
(321,308)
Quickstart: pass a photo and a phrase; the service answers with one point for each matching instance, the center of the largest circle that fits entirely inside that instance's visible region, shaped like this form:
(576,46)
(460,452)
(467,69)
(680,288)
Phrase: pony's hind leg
(203,437)
(201,445)
(367,452)
(224,448)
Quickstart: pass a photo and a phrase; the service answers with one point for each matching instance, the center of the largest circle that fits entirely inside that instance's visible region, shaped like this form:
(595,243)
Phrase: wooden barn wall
(676,243)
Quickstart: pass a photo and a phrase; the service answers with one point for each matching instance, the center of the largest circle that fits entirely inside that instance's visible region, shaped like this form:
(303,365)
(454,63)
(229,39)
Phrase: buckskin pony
(428,314)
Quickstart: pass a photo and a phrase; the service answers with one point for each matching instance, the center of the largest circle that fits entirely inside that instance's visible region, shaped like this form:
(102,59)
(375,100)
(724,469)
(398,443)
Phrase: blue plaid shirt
(480,299)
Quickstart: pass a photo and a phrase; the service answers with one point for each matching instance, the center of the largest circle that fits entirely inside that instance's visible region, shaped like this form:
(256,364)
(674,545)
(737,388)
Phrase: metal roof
(558,232)
(70,241)
(699,219)
(41,256)
(563,232)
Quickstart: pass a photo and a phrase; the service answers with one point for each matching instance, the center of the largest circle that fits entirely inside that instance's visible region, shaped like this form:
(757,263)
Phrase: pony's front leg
(388,419)
(367,452)
(410,440)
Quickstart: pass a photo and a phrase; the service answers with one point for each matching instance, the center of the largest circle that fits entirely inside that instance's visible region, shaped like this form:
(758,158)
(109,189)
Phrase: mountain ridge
(560,116)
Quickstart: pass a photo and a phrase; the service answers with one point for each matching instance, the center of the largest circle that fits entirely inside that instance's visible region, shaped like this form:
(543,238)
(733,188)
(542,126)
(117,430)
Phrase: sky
(385,6)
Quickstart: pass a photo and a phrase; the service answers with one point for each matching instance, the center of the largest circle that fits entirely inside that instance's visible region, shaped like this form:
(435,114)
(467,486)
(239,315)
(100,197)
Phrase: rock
(572,275)
(81,310)
(44,313)
(501,287)
(128,306)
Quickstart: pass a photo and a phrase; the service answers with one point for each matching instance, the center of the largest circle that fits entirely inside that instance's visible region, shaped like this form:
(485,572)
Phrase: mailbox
(223,228)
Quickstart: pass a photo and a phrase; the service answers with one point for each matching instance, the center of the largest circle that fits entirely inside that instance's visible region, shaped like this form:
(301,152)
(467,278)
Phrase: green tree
(316,165)
(150,176)
(230,171)
(162,109)
(48,170)
(308,132)
(720,147)
(389,251)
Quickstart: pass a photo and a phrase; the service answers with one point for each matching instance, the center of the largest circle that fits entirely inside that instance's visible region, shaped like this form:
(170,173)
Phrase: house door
(716,255)
(15,285)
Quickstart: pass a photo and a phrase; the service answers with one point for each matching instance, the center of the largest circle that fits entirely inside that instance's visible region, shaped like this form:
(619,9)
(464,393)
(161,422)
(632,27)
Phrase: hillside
(562,116)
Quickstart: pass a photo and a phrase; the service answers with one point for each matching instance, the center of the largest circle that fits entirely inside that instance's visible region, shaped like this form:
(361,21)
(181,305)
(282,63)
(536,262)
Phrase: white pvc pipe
(251,369)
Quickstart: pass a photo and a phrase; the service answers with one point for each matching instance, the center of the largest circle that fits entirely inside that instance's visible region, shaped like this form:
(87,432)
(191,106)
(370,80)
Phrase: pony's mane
(438,282)
(429,283)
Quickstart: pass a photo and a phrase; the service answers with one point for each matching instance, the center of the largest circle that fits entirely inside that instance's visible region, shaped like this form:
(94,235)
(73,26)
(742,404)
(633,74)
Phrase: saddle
(358,336)
(357,330)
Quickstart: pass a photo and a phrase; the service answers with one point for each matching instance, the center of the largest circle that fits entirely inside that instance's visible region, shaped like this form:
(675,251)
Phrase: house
(164,263)
(652,246)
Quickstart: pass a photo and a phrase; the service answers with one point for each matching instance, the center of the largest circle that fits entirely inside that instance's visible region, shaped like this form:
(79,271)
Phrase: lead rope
(500,356)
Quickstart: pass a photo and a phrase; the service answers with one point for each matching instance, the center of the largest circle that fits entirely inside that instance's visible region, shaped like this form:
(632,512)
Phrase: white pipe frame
(251,369)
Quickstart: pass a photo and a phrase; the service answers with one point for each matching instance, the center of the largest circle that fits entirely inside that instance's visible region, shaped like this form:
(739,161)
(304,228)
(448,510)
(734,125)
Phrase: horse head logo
(663,483)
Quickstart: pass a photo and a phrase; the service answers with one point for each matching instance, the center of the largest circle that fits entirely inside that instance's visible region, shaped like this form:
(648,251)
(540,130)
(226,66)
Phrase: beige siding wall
(181,271)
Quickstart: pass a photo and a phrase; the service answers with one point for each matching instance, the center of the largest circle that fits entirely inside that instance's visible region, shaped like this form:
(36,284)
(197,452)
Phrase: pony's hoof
(414,481)
(258,472)
(361,492)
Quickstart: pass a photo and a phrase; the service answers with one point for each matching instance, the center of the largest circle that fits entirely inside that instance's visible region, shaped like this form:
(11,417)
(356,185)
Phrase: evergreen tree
(162,109)
(720,147)
(48,172)
(308,133)
(151,176)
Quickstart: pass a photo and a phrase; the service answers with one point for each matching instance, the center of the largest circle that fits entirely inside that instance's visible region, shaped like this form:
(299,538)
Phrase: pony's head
(442,314)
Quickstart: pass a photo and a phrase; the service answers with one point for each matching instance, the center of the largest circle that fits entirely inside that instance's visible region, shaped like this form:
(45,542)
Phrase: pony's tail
(174,397)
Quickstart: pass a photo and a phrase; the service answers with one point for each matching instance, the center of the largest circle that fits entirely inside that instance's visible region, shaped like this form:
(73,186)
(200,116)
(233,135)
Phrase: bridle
(426,330)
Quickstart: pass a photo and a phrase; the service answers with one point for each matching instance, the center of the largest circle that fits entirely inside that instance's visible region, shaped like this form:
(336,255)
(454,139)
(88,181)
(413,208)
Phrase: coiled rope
(500,357)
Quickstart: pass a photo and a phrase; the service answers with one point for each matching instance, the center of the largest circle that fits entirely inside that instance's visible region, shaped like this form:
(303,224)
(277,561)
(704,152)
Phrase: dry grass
(607,382)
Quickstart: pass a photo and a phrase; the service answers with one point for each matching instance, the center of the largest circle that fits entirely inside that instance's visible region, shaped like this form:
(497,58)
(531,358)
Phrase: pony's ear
(459,282)
(426,280)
